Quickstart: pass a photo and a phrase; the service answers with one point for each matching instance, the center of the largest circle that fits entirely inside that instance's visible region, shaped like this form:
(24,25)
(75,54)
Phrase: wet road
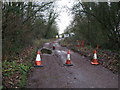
(81,75)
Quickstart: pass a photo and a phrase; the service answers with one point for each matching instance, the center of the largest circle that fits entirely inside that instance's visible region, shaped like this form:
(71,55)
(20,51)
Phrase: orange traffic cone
(68,62)
(82,43)
(95,61)
(78,44)
(38,60)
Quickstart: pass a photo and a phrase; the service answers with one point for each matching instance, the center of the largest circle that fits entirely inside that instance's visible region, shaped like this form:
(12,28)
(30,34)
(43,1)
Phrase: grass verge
(15,68)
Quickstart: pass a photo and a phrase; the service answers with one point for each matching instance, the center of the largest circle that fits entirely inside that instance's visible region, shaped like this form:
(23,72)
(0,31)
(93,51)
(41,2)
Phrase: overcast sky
(64,18)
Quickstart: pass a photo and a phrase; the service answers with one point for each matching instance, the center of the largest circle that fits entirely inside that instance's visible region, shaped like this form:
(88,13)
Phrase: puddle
(46,51)
(47,43)
(62,54)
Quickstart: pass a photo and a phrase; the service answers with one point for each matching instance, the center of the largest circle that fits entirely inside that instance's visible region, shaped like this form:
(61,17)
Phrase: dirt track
(81,75)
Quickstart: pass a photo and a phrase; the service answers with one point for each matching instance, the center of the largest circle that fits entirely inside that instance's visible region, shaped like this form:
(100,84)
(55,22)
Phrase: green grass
(10,68)
(1,87)
(11,65)
(24,69)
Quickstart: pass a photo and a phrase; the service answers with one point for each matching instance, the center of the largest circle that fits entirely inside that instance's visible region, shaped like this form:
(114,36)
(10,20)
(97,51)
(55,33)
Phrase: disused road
(81,75)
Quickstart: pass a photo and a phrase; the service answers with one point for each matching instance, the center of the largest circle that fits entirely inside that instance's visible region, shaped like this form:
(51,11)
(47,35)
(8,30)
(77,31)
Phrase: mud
(82,74)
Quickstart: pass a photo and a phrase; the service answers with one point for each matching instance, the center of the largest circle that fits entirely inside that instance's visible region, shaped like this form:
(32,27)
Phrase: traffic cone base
(38,64)
(95,62)
(68,64)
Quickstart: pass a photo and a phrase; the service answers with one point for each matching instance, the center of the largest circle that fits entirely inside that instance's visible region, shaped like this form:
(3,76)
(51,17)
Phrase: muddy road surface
(82,74)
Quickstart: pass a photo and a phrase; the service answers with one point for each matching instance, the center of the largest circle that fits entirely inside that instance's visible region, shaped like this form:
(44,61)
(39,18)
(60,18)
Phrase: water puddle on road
(62,54)
(47,43)
(57,45)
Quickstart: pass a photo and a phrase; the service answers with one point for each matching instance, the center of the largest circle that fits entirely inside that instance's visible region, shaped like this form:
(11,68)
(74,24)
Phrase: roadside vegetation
(26,27)
(15,69)
(106,57)
(98,25)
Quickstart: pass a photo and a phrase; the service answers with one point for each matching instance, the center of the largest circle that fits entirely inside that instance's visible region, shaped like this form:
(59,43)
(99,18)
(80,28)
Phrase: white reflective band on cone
(68,57)
(95,56)
(38,58)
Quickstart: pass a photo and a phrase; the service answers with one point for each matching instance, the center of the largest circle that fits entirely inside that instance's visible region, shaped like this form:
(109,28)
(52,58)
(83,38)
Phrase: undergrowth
(15,68)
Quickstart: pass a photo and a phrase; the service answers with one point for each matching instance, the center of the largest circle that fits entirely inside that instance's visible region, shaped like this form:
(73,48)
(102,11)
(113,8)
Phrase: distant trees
(51,28)
(98,23)
(23,22)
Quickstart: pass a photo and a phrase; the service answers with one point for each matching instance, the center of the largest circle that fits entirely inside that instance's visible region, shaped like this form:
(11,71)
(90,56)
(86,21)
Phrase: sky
(63,8)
